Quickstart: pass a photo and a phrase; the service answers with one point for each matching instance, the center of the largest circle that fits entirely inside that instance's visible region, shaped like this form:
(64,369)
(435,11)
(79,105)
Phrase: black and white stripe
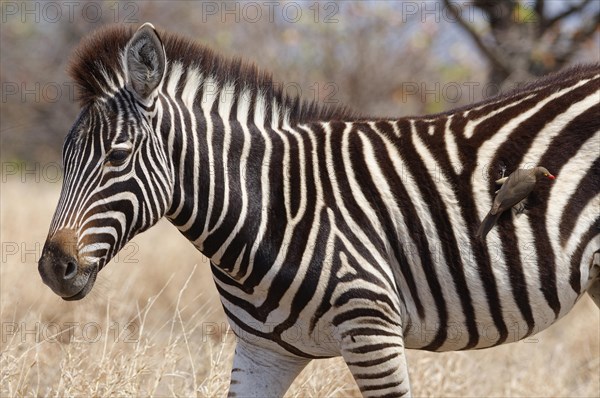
(331,234)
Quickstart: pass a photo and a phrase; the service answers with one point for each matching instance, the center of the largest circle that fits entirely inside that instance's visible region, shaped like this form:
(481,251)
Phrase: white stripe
(565,187)
(224,108)
(543,314)
(174,77)
(259,122)
(188,96)
(176,113)
(242,116)
(472,124)
(209,95)
(585,220)
(452,148)
(356,190)
(553,128)
(111,215)
(226,99)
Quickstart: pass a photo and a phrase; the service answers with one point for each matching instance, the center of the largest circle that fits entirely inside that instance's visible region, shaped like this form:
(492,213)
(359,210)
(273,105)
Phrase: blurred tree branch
(523,40)
(489,52)
(560,16)
(539,10)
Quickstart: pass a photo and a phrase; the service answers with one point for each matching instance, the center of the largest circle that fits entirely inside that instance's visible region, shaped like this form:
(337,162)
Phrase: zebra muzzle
(61,269)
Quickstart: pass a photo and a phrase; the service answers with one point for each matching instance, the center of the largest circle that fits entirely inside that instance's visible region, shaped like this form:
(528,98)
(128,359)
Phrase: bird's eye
(117,157)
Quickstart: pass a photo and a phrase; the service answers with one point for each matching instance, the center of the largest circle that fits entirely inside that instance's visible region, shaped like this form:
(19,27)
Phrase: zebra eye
(117,157)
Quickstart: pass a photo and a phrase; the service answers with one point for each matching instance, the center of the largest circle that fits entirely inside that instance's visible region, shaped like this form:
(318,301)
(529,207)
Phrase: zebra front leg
(375,356)
(259,372)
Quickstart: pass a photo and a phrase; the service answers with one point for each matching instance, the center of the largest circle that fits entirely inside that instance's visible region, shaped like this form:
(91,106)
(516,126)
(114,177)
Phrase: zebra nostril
(70,270)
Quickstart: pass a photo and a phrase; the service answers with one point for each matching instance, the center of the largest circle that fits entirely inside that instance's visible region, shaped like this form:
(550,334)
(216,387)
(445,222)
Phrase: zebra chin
(61,269)
(87,287)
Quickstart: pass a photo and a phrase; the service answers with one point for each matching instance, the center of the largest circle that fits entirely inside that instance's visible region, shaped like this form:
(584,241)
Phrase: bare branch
(580,35)
(539,10)
(490,53)
(566,13)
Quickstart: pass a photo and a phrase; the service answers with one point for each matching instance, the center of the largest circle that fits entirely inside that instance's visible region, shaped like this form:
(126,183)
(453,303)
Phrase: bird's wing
(512,192)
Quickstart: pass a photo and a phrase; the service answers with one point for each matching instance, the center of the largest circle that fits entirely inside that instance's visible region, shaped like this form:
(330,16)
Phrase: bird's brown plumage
(515,189)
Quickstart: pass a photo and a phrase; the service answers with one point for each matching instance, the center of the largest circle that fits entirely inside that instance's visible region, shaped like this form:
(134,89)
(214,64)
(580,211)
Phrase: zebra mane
(96,67)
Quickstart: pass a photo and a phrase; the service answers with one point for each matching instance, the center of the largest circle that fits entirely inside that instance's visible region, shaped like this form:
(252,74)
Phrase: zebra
(329,233)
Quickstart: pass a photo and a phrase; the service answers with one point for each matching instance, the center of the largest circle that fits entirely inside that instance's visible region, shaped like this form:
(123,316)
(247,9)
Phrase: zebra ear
(145,58)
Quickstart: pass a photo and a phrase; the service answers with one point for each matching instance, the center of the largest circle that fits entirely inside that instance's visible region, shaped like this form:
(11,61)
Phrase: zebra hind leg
(259,372)
(375,356)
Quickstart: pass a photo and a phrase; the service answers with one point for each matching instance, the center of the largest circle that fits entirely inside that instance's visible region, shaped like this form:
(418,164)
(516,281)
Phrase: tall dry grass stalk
(153,326)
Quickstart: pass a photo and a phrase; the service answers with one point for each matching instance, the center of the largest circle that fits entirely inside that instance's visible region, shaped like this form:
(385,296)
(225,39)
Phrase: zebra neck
(217,132)
(216,147)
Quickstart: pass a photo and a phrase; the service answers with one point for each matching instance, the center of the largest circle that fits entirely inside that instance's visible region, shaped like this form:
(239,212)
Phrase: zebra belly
(299,338)
(488,332)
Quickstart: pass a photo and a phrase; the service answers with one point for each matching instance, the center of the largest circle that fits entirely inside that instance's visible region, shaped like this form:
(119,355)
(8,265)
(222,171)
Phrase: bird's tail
(487,224)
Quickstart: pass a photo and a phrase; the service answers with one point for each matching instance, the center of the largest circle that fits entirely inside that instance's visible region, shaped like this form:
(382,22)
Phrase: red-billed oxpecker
(515,188)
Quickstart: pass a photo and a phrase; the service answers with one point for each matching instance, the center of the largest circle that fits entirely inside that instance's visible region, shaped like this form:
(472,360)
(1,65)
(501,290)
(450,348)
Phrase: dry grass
(153,326)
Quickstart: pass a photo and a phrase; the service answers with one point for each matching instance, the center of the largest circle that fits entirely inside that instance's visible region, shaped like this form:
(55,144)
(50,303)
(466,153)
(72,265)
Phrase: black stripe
(378,375)
(355,313)
(381,386)
(373,347)
(576,258)
(372,362)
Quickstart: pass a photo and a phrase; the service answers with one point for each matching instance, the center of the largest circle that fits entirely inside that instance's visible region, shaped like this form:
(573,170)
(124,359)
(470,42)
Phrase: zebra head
(117,177)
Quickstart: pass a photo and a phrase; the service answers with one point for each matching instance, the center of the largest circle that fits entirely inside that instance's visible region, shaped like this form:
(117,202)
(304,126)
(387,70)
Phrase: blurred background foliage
(381,58)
